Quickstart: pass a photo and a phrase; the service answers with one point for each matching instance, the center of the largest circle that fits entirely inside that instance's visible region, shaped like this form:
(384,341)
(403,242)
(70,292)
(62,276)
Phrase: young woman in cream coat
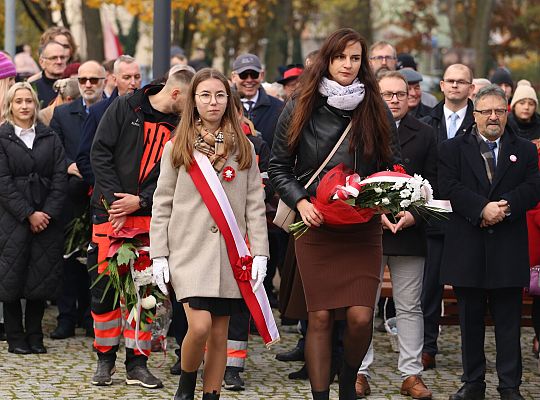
(184,238)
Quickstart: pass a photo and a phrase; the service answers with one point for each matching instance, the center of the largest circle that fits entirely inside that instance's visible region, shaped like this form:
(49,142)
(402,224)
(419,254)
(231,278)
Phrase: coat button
(213,229)
(243,267)
(490,230)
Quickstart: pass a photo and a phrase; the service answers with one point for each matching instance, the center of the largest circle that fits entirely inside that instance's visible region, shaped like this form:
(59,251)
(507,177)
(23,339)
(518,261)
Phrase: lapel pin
(513,158)
(229,173)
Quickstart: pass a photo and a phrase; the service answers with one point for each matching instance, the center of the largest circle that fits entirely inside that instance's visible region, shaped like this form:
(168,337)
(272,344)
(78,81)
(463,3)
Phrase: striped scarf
(212,145)
(487,155)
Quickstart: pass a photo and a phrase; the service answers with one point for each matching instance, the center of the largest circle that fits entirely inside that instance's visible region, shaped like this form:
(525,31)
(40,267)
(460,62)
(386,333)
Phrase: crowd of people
(198,161)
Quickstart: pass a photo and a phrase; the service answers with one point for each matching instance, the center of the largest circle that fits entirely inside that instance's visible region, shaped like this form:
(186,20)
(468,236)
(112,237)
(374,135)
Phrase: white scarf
(342,97)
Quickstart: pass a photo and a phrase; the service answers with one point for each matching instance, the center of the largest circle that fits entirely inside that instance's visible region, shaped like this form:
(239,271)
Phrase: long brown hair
(370,127)
(186,132)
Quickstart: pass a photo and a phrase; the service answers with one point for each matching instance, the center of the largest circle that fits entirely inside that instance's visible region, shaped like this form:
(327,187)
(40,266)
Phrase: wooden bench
(450,313)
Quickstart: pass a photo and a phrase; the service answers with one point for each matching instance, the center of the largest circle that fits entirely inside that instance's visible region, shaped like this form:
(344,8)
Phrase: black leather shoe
(141,376)
(470,391)
(296,354)
(38,349)
(511,394)
(104,372)
(20,349)
(301,375)
(62,332)
(186,386)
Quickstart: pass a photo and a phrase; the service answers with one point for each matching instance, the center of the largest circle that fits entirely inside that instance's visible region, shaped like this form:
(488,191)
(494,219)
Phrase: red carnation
(142,262)
(123,269)
(399,168)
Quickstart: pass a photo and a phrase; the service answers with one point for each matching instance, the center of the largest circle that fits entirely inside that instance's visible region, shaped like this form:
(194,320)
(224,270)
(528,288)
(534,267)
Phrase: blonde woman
(185,236)
(32,193)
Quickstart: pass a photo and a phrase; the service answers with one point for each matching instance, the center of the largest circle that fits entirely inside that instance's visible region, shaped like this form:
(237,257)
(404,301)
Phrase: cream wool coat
(183,230)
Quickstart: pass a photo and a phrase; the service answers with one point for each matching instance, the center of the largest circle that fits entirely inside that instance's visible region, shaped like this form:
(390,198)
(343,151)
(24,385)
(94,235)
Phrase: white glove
(160,270)
(258,271)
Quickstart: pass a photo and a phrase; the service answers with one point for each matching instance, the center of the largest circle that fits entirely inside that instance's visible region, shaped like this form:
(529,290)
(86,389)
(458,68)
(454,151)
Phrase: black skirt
(217,305)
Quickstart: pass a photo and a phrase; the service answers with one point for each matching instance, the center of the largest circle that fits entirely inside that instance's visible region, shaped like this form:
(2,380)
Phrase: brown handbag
(286,215)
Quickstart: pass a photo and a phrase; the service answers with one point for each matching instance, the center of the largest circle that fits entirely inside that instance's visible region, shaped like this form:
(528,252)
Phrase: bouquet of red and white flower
(347,199)
(130,275)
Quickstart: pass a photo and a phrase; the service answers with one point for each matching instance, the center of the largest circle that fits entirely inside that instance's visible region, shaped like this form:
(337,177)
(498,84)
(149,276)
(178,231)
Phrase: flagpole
(162,37)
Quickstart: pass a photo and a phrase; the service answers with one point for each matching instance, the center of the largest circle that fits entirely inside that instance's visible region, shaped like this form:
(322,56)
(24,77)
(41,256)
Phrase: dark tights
(318,350)
(536,316)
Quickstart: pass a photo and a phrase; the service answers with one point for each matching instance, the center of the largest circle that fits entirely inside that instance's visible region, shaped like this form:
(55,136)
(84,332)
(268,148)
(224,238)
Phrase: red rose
(399,168)
(142,262)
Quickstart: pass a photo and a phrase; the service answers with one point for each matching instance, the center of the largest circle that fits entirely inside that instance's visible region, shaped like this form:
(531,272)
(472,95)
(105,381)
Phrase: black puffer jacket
(290,172)
(31,180)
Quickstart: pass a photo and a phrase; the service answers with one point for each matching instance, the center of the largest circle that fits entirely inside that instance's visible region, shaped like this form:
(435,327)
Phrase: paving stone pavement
(65,372)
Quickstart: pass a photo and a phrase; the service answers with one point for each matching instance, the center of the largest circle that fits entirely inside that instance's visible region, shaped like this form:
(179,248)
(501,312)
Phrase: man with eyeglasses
(382,57)
(453,116)
(53,61)
(490,175)
(259,107)
(67,122)
(404,243)
(125,156)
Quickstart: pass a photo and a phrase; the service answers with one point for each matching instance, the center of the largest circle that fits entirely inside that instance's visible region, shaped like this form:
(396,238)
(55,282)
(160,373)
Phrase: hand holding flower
(310,215)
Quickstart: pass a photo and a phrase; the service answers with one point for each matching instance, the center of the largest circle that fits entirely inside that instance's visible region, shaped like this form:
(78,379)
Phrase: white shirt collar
(21,131)
(253,99)
(461,114)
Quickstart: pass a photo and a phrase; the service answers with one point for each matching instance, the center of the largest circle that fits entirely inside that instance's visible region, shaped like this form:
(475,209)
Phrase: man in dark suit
(67,122)
(404,243)
(451,117)
(491,178)
(127,76)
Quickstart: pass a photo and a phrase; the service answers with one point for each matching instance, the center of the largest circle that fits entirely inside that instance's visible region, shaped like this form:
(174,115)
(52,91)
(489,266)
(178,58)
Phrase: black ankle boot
(211,396)
(186,386)
(321,395)
(347,380)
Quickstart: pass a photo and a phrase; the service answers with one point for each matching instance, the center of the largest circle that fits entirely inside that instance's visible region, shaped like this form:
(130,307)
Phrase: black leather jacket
(290,172)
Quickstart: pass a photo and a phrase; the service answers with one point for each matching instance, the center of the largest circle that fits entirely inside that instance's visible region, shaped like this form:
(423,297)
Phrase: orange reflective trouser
(108,319)
(237,340)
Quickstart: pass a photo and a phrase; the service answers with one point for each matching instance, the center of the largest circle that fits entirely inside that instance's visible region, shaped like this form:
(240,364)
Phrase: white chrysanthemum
(405,203)
(148,302)
(398,185)
(405,194)
(385,201)
(378,190)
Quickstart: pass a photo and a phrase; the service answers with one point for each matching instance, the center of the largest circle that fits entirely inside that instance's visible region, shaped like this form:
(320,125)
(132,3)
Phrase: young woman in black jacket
(339,265)
(32,192)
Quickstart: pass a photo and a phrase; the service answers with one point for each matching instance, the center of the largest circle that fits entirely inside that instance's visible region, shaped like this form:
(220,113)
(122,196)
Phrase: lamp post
(9,27)
(162,37)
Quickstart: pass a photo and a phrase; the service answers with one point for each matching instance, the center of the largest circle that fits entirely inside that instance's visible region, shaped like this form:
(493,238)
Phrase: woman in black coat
(32,192)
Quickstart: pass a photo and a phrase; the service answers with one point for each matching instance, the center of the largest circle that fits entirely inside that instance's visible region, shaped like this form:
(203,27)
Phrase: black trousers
(31,333)
(432,293)
(74,301)
(505,308)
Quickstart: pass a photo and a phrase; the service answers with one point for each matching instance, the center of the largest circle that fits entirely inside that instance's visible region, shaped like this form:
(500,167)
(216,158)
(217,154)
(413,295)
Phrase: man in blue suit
(127,75)
(67,122)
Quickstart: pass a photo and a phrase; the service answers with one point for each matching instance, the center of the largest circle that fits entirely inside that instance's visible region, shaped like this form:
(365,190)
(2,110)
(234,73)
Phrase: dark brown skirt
(340,265)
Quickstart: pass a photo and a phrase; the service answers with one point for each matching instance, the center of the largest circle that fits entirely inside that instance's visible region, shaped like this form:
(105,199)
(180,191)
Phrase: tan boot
(362,386)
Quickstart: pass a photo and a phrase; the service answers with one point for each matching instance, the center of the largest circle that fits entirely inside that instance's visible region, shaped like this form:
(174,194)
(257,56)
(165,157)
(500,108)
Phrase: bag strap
(319,170)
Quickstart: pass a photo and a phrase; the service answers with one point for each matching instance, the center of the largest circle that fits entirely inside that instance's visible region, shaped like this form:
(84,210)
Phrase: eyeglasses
(93,80)
(206,98)
(381,58)
(54,58)
(248,73)
(390,95)
(499,112)
(459,82)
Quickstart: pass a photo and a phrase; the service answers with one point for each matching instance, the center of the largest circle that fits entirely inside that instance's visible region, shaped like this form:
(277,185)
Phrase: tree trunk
(356,15)
(480,36)
(278,39)
(94,33)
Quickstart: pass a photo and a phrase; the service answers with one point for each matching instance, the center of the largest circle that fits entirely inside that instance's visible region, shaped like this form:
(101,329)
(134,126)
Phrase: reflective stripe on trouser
(108,329)
(236,353)
(145,338)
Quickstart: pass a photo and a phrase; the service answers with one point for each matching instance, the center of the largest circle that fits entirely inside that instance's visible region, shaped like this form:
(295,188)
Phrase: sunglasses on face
(249,73)
(93,80)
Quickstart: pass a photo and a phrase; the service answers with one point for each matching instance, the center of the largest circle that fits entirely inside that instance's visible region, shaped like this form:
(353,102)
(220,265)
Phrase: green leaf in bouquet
(125,254)
(106,290)
(100,275)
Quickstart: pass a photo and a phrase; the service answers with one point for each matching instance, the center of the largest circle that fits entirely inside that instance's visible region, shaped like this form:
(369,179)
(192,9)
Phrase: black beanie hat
(501,75)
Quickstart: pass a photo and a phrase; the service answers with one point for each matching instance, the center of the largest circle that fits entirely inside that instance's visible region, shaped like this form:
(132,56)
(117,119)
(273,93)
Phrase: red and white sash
(205,179)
